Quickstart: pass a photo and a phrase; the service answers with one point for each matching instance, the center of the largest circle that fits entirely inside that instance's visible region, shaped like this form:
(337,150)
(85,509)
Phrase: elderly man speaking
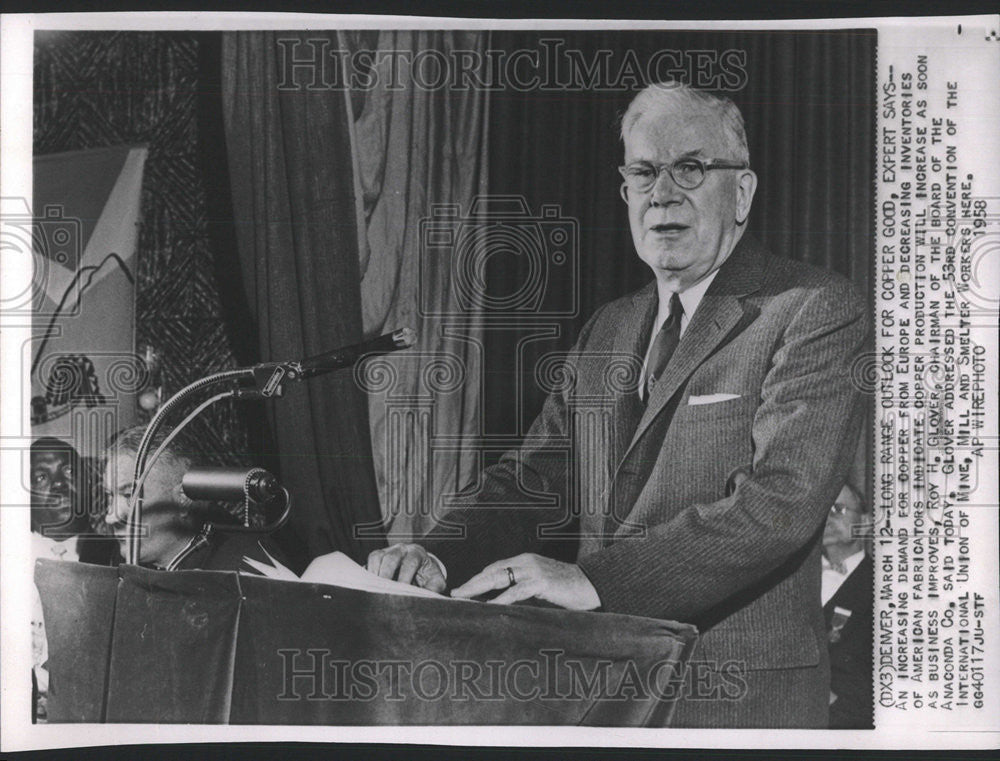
(746,364)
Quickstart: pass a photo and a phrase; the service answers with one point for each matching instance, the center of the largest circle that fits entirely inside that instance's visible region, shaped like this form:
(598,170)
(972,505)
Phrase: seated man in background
(173,535)
(66,506)
(847,605)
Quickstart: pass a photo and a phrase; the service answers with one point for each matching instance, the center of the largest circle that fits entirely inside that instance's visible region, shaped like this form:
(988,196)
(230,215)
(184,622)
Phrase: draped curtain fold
(420,150)
(292,185)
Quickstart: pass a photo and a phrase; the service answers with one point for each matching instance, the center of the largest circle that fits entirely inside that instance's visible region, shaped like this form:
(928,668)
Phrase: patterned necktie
(664,344)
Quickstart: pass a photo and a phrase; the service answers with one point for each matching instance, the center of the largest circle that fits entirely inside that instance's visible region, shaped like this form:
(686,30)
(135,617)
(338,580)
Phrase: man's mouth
(668,228)
(55,505)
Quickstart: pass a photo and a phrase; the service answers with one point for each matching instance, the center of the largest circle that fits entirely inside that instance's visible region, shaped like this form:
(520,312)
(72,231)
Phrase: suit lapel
(720,310)
(631,340)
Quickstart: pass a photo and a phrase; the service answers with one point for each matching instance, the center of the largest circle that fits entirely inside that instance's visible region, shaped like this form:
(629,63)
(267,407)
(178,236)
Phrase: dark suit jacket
(99,550)
(645,505)
(851,650)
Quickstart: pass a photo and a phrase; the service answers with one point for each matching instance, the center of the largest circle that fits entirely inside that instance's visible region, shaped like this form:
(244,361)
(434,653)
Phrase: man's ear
(745,188)
(180,498)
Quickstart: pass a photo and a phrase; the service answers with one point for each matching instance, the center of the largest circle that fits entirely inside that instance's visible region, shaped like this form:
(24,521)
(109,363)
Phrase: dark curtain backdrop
(293,208)
(809,106)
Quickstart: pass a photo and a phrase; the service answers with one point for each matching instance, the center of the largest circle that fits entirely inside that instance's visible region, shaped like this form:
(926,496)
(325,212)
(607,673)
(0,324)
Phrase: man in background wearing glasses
(847,597)
(745,358)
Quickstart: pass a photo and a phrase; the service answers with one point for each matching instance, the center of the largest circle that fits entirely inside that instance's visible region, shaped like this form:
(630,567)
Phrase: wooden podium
(206,647)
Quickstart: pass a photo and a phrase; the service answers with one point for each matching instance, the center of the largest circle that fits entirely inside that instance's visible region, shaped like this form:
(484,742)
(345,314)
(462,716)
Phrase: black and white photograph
(535,377)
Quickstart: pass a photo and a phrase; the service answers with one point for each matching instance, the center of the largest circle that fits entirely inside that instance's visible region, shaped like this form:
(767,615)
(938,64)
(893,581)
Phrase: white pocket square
(710,398)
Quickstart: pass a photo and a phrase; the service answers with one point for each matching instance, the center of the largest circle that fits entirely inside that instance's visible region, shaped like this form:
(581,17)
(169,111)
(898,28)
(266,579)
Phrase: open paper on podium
(338,570)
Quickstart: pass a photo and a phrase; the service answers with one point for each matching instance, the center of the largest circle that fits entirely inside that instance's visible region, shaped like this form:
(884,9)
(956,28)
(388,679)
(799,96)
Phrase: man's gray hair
(667,97)
(181,450)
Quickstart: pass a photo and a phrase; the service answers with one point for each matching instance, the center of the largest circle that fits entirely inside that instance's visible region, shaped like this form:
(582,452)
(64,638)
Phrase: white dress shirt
(833,579)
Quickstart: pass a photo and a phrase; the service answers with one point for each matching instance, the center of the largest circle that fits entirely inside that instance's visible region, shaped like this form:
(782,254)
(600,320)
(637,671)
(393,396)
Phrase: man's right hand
(408,563)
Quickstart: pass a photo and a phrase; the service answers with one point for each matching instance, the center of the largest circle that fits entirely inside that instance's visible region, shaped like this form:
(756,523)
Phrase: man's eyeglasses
(839,508)
(687,173)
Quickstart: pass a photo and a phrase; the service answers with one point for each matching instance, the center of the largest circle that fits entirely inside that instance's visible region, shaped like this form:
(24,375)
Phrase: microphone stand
(262,381)
(238,381)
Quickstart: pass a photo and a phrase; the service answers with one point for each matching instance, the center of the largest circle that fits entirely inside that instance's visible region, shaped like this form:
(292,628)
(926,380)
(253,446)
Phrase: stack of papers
(338,570)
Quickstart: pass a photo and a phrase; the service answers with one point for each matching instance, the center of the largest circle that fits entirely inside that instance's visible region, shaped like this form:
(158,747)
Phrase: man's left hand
(562,584)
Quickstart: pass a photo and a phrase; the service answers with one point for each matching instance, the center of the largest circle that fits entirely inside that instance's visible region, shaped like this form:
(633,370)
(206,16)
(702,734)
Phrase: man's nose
(117,511)
(665,190)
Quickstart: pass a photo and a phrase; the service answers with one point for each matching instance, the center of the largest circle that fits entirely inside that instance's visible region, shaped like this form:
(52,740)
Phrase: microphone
(269,376)
(210,483)
(348,356)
